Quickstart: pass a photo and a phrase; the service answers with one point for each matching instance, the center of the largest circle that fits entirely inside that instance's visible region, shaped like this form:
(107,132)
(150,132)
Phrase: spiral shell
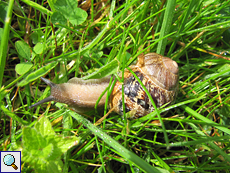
(158,74)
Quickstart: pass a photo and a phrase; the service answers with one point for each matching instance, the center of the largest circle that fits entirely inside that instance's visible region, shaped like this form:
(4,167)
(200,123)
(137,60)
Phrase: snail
(158,74)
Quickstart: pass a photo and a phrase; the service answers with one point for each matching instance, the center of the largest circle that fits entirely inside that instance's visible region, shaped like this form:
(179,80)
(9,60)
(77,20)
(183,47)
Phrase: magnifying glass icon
(9,160)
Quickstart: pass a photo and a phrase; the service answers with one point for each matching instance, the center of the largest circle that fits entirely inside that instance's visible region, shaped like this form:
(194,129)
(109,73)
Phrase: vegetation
(92,39)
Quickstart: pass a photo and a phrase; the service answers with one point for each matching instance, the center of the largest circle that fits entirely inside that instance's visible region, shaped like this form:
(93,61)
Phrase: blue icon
(9,160)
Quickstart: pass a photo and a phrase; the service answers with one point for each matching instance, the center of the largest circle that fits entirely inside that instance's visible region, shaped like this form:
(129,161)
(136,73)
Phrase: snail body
(79,94)
(158,74)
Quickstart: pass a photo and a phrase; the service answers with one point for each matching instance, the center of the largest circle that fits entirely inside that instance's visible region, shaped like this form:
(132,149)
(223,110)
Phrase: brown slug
(158,74)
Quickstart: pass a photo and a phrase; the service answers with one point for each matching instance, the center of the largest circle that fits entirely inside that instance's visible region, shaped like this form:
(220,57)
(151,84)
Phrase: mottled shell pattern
(159,75)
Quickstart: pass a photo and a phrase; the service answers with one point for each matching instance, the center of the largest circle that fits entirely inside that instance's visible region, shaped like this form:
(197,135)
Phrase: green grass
(59,42)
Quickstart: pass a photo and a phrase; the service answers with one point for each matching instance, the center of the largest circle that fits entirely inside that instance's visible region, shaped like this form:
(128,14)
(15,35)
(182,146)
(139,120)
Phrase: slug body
(79,94)
(157,73)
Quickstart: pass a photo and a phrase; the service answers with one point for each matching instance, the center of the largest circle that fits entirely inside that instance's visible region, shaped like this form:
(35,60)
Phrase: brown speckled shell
(158,74)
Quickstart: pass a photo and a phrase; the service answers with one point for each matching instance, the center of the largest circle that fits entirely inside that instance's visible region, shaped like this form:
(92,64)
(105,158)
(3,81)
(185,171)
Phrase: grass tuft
(93,39)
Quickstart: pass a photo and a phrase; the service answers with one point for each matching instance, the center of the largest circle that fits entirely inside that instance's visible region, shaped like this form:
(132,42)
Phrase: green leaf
(51,4)
(1,33)
(71,12)
(201,117)
(23,50)
(78,16)
(33,140)
(21,24)
(3,10)
(223,68)
(166,26)
(57,18)
(37,36)
(23,67)
(42,148)
(54,166)
(51,166)
(37,6)
(47,150)
(44,127)
(39,48)
(11,114)
(224,112)
(40,72)
(64,144)
(218,74)
(61,144)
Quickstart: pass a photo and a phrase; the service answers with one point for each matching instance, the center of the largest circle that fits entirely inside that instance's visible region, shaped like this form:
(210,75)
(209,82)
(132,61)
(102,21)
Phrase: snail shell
(159,75)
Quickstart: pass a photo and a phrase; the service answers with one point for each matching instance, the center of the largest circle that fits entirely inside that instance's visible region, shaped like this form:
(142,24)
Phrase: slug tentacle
(48,82)
(48,99)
